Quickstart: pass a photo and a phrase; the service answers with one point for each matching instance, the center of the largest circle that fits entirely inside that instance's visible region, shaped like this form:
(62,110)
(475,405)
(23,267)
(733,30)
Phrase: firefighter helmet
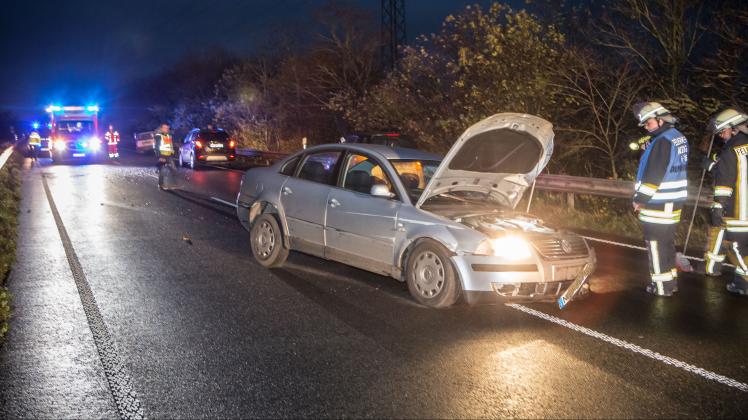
(728,118)
(646,110)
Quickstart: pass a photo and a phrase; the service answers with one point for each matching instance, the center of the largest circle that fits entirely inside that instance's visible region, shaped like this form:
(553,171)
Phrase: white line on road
(223,202)
(634,348)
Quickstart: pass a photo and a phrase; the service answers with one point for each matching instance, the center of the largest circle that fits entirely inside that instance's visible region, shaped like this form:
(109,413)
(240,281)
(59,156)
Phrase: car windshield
(74,127)
(415,174)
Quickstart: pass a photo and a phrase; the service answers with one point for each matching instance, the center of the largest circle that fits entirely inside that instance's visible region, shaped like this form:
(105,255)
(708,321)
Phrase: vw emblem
(566,246)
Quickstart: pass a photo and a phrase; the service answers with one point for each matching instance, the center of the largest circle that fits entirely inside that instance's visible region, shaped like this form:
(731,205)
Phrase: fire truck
(75,133)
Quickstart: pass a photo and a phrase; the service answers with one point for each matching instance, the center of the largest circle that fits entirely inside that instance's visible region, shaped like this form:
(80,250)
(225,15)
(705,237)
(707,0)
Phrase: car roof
(389,153)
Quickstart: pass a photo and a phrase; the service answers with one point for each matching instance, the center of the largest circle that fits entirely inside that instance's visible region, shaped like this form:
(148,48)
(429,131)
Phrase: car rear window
(290,167)
(320,167)
(221,136)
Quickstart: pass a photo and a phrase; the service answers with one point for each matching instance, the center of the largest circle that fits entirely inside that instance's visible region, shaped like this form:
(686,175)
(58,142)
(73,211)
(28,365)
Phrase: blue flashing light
(35,125)
(49,125)
(92,108)
(54,108)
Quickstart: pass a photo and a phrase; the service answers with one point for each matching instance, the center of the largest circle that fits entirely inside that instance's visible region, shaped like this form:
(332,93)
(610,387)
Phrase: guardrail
(5,155)
(260,154)
(571,185)
(604,187)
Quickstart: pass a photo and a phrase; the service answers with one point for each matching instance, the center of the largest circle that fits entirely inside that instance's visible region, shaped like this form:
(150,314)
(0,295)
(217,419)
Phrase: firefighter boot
(738,285)
(663,288)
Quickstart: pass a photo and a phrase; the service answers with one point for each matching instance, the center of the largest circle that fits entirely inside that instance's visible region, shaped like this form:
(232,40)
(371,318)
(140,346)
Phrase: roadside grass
(10,197)
(610,216)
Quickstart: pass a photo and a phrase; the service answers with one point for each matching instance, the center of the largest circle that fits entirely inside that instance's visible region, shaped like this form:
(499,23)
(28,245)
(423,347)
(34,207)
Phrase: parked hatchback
(204,145)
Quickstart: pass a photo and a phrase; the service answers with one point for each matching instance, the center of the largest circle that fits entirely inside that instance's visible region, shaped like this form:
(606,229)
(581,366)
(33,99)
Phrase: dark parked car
(204,145)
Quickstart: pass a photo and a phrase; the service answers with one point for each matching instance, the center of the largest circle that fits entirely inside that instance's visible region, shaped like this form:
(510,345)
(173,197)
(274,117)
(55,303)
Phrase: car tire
(181,161)
(192,161)
(431,277)
(266,239)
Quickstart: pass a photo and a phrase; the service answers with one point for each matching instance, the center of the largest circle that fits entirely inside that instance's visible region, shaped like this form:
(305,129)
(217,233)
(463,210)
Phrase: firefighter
(661,189)
(165,152)
(35,143)
(112,141)
(729,212)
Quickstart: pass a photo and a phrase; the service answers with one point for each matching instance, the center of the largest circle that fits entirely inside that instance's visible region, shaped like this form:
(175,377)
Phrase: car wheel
(266,238)
(181,161)
(192,161)
(431,278)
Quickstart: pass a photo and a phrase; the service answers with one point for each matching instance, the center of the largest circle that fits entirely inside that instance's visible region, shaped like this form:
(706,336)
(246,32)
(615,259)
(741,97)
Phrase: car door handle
(334,203)
(400,227)
(287,191)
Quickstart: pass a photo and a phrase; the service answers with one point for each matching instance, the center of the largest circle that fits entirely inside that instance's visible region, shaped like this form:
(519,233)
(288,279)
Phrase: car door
(304,200)
(360,228)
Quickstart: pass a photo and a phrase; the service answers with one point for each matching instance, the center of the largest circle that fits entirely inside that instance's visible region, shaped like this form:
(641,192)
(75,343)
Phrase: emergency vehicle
(75,133)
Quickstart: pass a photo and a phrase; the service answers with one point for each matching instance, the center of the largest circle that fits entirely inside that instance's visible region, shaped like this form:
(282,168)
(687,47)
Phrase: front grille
(561,247)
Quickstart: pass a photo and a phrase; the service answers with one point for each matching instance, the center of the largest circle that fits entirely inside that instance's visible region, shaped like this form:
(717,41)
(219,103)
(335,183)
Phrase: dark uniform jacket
(731,183)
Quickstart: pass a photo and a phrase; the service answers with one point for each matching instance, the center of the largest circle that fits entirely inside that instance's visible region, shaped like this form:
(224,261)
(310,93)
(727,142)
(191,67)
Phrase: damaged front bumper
(488,279)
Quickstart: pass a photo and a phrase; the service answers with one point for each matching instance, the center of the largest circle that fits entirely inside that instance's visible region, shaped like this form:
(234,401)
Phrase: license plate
(79,154)
(216,145)
(575,286)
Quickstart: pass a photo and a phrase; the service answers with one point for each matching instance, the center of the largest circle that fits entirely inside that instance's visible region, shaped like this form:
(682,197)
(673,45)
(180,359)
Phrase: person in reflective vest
(165,152)
(35,143)
(112,141)
(729,212)
(661,189)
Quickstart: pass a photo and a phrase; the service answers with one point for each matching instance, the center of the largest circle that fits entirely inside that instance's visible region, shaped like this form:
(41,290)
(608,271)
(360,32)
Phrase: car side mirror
(381,190)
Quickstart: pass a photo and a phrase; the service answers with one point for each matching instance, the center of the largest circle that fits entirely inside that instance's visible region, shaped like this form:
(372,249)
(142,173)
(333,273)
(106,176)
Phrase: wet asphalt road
(203,331)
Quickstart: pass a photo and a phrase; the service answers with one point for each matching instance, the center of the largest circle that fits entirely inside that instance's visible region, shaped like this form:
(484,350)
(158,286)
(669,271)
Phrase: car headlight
(59,145)
(509,247)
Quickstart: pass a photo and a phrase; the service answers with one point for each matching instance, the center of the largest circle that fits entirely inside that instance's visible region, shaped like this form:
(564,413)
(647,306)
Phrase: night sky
(88,51)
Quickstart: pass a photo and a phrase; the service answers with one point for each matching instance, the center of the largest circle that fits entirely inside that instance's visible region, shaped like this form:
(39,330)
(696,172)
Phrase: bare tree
(661,35)
(594,118)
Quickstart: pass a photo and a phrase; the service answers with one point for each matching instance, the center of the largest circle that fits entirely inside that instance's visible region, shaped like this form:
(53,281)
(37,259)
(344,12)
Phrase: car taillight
(232,143)
(198,144)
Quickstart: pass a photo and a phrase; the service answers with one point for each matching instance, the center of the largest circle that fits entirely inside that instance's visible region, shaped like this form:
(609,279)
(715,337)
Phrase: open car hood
(499,157)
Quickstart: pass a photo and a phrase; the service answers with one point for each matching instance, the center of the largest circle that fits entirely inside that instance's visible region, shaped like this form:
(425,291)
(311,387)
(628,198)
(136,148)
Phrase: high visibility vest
(111,137)
(34,139)
(674,185)
(165,145)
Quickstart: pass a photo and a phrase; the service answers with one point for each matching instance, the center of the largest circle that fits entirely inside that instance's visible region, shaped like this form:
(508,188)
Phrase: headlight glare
(59,145)
(511,248)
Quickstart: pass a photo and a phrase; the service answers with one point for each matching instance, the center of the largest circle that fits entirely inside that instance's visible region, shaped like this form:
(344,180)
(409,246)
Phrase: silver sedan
(447,227)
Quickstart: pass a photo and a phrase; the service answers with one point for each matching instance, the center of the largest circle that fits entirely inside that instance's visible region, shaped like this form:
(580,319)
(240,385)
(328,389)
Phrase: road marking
(224,202)
(120,383)
(634,348)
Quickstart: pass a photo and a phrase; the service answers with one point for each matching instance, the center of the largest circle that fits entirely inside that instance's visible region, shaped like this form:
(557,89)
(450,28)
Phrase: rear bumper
(216,158)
